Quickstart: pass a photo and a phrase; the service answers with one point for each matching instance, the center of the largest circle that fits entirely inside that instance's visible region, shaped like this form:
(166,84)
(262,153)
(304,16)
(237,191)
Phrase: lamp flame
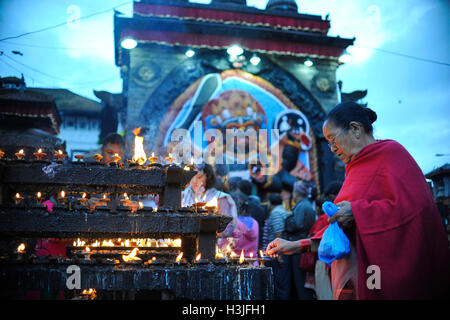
(91,293)
(178,259)
(198,257)
(139,154)
(176,242)
(242,258)
(21,248)
(131,256)
(108,243)
(219,253)
(212,203)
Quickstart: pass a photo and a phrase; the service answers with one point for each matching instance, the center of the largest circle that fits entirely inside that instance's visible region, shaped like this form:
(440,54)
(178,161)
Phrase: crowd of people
(385,208)
(258,222)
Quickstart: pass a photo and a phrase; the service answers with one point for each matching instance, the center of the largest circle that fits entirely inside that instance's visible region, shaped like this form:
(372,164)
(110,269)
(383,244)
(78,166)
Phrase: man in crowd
(274,228)
(297,227)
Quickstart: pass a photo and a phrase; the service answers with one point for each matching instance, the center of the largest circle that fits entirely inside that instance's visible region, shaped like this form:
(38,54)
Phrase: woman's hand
(281,246)
(344,217)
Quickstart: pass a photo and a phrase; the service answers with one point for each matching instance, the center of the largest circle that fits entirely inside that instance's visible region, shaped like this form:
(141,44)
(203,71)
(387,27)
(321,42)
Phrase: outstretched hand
(282,246)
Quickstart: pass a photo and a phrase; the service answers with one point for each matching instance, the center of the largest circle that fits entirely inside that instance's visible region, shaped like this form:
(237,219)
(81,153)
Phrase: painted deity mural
(238,105)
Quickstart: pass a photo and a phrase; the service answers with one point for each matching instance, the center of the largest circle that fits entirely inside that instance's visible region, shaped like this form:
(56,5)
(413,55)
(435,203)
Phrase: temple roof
(69,102)
(232,13)
(23,108)
(217,26)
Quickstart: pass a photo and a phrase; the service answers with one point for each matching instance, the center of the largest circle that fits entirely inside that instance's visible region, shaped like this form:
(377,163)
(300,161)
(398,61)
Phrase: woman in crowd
(246,231)
(202,188)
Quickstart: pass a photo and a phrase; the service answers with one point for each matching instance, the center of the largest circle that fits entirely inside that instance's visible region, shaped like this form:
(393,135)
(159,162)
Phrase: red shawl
(319,225)
(397,224)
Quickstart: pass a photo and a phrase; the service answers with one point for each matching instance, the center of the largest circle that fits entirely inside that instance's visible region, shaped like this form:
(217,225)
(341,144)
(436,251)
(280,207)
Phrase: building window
(83,124)
(70,122)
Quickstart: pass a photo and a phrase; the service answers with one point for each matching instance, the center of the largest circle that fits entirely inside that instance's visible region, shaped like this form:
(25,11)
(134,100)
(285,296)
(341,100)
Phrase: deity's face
(109,150)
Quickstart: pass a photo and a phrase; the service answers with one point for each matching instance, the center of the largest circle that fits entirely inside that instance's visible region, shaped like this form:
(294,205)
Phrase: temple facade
(226,65)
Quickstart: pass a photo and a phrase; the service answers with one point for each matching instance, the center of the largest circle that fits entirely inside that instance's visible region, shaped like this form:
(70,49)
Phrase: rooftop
(443,170)
(278,30)
(69,102)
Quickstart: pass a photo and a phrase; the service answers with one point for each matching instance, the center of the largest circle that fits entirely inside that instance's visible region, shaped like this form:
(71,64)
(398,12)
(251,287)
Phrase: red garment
(51,247)
(318,235)
(397,224)
(320,223)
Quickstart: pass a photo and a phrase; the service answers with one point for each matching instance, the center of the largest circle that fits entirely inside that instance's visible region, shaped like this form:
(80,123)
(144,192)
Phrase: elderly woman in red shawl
(388,213)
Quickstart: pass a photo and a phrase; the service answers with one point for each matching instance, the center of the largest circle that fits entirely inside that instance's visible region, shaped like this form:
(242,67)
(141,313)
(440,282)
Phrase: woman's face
(345,143)
(198,182)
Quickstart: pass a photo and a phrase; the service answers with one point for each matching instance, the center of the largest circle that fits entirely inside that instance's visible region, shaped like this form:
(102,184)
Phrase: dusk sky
(401,56)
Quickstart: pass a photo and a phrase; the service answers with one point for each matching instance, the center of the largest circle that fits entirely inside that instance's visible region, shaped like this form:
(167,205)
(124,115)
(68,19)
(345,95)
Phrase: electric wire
(65,22)
(403,55)
(25,75)
(51,85)
(86,83)
(50,47)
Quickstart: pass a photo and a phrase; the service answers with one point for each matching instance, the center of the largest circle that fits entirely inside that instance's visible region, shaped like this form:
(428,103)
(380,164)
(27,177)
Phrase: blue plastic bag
(334,244)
